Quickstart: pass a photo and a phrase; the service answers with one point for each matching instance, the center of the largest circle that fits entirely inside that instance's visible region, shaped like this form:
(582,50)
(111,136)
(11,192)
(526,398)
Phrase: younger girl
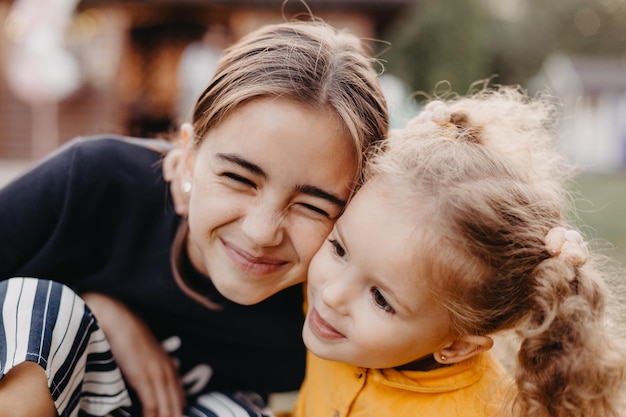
(277,143)
(459,234)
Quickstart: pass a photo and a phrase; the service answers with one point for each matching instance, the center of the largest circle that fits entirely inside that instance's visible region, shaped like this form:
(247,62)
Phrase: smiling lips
(250,264)
(321,327)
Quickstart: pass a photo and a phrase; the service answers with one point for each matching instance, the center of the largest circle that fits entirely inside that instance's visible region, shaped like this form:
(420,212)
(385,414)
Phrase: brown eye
(379,300)
(338,250)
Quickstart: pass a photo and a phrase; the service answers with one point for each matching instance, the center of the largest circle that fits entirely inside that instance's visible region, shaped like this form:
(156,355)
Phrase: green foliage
(462,41)
(575,27)
(441,40)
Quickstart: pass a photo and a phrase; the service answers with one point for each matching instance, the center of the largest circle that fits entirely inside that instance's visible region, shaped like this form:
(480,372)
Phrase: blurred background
(71,67)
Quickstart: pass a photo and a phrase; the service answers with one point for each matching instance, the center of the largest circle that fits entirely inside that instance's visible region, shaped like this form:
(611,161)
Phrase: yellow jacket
(467,389)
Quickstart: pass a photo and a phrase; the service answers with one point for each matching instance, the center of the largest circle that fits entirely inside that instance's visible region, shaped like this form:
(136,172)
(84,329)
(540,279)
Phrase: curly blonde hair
(493,186)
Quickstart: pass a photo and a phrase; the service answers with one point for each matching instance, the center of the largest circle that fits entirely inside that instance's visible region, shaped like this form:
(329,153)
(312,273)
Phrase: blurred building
(128,54)
(593,94)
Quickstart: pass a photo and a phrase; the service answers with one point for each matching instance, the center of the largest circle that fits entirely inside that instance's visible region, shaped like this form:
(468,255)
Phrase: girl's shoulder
(116,145)
(105,167)
(110,156)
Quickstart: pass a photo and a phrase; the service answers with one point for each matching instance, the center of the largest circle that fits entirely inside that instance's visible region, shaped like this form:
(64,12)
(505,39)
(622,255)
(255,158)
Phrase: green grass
(601,208)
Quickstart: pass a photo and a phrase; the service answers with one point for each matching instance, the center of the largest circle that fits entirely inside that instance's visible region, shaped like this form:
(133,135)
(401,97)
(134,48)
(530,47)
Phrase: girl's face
(367,304)
(267,185)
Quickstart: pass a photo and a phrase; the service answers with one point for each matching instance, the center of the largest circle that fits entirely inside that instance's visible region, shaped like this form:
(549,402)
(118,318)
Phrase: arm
(24,392)
(145,364)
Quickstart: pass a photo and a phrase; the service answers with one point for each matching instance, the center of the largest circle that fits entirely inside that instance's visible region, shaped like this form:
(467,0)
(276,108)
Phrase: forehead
(276,113)
(384,237)
(396,212)
(287,139)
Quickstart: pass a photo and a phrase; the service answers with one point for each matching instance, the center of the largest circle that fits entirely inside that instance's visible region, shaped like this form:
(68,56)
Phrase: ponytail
(568,363)
(487,169)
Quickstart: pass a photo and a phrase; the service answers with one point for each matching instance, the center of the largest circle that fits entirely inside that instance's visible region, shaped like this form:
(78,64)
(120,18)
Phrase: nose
(336,294)
(263,225)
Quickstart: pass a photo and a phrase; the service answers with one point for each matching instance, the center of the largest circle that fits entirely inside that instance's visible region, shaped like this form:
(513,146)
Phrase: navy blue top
(97,216)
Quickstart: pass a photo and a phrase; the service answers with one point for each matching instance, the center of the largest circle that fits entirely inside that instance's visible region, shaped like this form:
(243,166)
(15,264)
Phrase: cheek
(321,269)
(377,338)
(309,238)
(209,209)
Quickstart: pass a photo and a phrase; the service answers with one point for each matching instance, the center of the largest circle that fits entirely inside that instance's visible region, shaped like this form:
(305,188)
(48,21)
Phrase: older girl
(276,147)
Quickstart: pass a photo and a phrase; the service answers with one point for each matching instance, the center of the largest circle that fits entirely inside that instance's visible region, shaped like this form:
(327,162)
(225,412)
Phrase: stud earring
(186,187)
(443,358)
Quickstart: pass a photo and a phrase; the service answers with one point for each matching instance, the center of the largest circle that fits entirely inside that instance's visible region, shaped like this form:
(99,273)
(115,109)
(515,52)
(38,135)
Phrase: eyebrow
(247,165)
(318,192)
(304,189)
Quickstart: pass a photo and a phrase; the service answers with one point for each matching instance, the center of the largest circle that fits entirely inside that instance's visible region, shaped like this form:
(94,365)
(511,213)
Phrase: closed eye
(315,209)
(240,179)
(335,201)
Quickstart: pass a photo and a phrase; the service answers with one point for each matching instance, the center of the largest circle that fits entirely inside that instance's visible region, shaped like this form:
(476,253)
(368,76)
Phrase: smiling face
(367,303)
(267,185)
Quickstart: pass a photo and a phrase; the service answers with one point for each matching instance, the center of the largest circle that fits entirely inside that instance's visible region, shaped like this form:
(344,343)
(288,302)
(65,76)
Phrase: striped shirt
(46,323)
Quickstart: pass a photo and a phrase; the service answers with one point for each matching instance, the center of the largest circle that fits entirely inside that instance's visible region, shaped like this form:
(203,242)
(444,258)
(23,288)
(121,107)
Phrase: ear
(186,133)
(463,348)
(178,169)
(189,152)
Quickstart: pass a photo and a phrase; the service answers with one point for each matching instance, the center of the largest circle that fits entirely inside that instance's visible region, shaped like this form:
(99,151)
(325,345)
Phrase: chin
(313,345)
(252,295)
(250,302)
(244,299)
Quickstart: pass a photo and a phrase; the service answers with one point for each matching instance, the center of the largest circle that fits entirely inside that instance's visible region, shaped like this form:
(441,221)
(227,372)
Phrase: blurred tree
(578,27)
(468,40)
(441,40)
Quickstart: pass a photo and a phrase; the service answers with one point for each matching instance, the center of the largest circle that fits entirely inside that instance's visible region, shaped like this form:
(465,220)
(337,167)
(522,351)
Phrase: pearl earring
(186,187)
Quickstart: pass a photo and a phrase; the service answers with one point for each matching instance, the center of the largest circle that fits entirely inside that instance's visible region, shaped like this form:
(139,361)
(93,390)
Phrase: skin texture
(259,209)
(368,305)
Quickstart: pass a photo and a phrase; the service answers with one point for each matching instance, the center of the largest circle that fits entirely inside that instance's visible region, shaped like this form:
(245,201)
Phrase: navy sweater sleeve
(30,208)
(68,206)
